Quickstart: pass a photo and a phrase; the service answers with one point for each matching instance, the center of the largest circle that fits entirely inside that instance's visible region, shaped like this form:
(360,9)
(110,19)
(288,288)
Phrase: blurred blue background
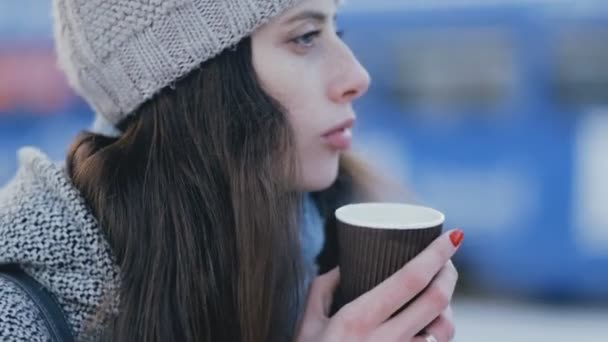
(495,112)
(498,116)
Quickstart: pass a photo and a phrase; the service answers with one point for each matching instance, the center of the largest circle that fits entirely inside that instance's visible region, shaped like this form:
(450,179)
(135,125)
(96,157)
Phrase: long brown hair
(195,201)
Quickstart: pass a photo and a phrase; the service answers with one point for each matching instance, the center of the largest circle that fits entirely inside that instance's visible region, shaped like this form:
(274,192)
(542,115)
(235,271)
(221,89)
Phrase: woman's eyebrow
(317,16)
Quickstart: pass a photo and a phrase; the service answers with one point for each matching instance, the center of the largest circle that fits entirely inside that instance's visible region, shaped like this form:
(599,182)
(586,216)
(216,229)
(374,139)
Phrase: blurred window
(464,67)
(581,69)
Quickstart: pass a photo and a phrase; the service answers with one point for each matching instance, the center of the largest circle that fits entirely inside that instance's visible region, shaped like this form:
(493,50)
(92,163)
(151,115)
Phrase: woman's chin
(319,182)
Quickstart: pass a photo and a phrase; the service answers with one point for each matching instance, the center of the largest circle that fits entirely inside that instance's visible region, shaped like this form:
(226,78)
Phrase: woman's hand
(368,318)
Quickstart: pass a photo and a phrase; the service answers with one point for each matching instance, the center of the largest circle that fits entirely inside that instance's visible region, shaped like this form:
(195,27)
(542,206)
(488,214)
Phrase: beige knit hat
(118,53)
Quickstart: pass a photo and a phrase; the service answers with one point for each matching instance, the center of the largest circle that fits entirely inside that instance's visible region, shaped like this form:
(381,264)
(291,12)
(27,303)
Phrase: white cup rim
(378,216)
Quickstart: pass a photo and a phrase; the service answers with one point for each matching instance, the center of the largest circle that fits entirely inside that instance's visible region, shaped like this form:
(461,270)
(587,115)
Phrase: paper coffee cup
(377,239)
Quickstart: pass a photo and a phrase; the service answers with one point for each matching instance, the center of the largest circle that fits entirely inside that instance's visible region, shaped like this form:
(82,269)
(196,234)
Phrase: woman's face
(302,62)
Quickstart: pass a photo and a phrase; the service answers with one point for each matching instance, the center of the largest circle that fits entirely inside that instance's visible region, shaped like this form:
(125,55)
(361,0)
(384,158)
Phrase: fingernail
(456,237)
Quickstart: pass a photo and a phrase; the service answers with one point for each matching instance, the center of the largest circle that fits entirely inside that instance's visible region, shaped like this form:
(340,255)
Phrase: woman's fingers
(442,328)
(423,310)
(377,305)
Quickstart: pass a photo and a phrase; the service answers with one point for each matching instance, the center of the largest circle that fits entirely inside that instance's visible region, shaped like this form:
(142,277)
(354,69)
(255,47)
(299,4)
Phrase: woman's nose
(351,82)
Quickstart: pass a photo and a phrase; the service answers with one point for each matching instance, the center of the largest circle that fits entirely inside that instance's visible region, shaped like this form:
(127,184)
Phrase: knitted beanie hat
(118,53)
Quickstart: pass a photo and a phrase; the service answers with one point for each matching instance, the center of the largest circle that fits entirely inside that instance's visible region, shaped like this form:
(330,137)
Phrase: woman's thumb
(322,291)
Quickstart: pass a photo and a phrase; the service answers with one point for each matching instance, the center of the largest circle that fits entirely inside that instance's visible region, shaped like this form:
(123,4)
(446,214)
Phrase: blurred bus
(497,113)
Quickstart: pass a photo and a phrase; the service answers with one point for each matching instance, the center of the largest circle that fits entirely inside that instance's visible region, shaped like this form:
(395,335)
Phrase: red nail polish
(456,237)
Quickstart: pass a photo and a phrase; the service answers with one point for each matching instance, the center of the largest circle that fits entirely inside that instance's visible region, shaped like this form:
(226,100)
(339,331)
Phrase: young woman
(200,208)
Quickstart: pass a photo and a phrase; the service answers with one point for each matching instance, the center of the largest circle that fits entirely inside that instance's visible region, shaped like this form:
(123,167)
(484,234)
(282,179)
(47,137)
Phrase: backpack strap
(54,317)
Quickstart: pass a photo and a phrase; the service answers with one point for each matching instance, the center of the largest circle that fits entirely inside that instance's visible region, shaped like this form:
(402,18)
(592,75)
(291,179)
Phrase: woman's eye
(308,39)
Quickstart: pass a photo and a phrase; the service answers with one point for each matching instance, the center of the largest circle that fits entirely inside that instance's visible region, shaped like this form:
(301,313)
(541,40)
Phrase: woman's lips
(340,137)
